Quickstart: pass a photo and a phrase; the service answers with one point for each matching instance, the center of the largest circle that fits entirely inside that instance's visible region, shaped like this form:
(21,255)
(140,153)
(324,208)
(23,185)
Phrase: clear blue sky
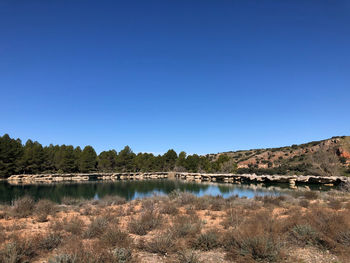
(200,76)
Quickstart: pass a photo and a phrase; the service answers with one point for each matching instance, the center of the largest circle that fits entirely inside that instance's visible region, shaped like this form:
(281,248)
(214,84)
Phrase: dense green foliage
(32,158)
(11,153)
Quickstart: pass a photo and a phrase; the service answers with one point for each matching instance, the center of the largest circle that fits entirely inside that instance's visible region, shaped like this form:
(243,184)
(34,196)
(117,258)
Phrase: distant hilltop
(295,158)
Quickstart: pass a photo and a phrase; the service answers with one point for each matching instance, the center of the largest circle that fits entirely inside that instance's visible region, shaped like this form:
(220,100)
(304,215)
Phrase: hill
(292,159)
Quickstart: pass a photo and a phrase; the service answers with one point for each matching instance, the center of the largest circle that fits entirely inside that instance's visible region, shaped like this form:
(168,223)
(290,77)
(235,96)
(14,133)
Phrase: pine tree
(181,161)
(33,158)
(49,164)
(88,160)
(192,163)
(169,159)
(107,161)
(67,161)
(125,160)
(77,156)
(10,153)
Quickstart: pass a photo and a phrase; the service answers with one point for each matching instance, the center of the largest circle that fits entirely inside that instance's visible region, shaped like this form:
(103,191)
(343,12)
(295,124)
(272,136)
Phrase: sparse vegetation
(148,221)
(262,229)
(97,227)
(43,208)
(23,207)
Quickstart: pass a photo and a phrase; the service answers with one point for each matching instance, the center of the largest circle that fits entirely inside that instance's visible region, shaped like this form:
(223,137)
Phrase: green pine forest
(33,158)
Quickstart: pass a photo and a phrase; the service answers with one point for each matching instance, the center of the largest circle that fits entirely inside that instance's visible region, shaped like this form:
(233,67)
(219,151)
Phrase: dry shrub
(56,225)
(262,222)
(110,200)
(188,256)
(345,187)
(75,251)
(2,234)
(184,198)
(234,217)
(261,248)
(217,203)
(110,215)
(148,204)
(326,221)
(130,210)
(343,237)
(304,235)
(19,250)
(190,210)
(304,203)
(148,221)
(201,203)
(186,226)
(16,226)
(206,241)
(252,205)
(168,208)
(271,200)
(161,244)
(23,207)
(50,241)
(67,200)
(311,195)
(73,225)
(242,248)
(258,238)
(333,228)
(97,227)
(89,211)
(114,237)
(174,194)
(119,212)
(122,255)
(43,208)
(5,211)
(335,204)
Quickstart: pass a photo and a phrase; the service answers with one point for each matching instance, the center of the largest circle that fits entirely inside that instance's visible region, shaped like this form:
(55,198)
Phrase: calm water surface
(132,189)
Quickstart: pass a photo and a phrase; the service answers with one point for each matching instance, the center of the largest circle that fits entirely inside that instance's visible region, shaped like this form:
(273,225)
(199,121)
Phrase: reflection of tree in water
(88,190)
(128,189)
(224,189)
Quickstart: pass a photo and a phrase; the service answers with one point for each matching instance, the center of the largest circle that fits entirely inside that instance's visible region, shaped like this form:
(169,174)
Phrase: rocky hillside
(295,158)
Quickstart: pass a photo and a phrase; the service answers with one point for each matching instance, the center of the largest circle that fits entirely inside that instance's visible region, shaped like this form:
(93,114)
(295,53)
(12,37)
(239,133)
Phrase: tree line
(33,158)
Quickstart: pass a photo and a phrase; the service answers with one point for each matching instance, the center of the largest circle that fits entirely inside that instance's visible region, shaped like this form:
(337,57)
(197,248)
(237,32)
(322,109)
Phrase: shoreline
(198,177)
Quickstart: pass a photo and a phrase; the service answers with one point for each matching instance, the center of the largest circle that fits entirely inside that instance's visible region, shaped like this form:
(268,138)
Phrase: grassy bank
(306,227)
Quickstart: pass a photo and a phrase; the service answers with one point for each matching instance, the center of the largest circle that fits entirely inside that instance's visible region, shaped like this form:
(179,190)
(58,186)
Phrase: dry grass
(178,228)
(43,209)
(23,207)
(146,222)
(115,237)
(162,244)
(73,225)
(207,241)
(97,227)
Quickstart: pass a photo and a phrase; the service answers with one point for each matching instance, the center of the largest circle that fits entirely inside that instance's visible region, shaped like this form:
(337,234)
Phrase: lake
(130,189)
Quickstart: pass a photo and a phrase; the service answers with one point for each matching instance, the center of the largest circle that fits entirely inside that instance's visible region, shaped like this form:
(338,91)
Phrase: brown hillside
(290,156)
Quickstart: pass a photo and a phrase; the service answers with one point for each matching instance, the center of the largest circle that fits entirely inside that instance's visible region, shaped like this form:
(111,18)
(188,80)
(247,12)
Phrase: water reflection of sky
(212,190)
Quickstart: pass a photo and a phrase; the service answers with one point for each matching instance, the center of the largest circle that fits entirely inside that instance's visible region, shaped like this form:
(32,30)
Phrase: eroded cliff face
(343,153)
